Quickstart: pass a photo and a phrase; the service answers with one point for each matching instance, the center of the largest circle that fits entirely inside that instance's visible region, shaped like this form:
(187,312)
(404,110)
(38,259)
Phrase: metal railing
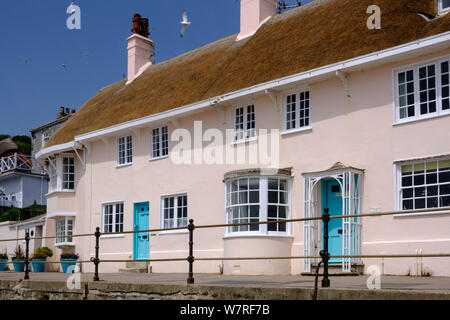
(324,254)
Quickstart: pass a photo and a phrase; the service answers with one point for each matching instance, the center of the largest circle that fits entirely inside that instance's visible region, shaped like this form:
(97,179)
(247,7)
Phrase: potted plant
(40,254)
(68,259)
(3,259)
(18,259)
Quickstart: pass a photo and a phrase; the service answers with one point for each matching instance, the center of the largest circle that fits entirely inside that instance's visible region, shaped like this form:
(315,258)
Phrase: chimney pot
(67,111)
(73,111)
(140,48)
(60,113)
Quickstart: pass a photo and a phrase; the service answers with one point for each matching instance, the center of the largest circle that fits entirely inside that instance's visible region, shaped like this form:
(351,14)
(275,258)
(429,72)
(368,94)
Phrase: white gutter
(331,69)
(45,152)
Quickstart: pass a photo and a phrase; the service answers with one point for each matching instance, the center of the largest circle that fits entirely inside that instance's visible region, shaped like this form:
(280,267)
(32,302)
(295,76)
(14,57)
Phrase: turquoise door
(141,245)
(332,199)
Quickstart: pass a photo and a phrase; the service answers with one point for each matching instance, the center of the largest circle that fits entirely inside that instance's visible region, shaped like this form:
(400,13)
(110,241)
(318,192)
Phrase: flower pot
(66,265)
(19,265)
(3,265)
(38,267)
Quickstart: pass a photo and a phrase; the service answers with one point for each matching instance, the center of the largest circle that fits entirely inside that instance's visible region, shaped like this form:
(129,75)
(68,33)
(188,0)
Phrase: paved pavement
(351,282)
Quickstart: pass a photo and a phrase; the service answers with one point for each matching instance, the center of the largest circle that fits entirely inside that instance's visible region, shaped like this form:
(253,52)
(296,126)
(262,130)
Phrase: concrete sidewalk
(355,282)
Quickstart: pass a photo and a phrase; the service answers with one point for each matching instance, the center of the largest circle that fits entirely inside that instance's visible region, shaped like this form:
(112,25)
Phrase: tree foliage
(23,142)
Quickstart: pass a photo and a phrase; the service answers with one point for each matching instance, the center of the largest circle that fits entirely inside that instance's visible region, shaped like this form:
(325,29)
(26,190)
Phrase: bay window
(61,172)
(257,199)
(64,231)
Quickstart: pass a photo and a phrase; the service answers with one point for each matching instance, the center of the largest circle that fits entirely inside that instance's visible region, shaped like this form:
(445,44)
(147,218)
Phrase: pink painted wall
(357,131)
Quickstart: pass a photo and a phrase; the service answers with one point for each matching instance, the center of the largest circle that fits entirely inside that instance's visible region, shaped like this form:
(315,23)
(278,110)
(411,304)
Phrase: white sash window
(422,91)
(112,219)
(244,123)
(160,142)
(297,111)
(124,150)
(424,185)
(174,211)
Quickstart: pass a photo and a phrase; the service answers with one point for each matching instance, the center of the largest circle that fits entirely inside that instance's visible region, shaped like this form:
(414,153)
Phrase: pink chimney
(255,13)
(140,48)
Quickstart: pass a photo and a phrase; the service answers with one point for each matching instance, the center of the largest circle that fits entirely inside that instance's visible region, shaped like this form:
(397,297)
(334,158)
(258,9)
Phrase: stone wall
(52,290)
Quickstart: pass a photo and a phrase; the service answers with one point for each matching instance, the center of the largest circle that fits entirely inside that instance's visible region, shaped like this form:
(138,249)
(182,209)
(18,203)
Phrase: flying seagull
(64,64)
(184,23)
(86,54)
(25,60)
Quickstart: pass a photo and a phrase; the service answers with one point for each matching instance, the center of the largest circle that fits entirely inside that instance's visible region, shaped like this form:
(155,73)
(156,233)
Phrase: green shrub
(69,256)
(42,253)
(4,256)
(13,212)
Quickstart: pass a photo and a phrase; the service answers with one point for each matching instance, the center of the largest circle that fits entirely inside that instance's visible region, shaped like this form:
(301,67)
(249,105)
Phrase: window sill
(124,165)
(64,244)
(174,232)
(286,132)
(158,158)
(415,119)
(244,141)
(444,211)
(59,191)
(112,236)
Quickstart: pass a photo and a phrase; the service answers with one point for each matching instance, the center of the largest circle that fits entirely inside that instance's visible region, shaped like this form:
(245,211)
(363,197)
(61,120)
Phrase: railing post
(96,260)
(325,255)
(27,251)
(190,259)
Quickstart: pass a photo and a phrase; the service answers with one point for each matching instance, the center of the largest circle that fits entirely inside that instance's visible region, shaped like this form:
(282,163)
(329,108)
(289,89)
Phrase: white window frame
(175,213)
(437,62)
(247,134)
(64,237)
(441,8)
(161,149)
(56,174)
(114,222)
(398,184)
(45,137)
(71,175)
(297,94)
(128,152)
(263,209)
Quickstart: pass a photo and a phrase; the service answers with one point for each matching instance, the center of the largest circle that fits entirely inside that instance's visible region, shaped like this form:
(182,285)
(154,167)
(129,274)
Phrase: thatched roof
(7,145)
(320,33)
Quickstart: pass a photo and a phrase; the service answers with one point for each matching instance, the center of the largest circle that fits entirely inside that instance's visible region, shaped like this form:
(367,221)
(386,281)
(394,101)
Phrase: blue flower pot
(3,265)
(66,265)
(38,267)
(19,265)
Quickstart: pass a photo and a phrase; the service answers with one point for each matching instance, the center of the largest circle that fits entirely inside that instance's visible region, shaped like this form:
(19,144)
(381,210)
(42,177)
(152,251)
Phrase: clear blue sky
(31,93)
